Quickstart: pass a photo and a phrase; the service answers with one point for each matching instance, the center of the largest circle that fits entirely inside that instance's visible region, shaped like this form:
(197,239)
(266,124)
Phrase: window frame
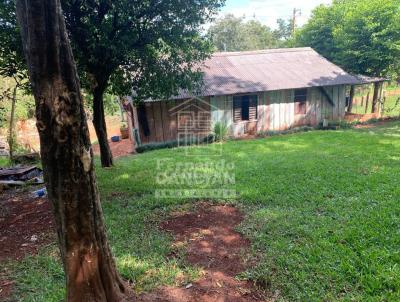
(252,100)
(300,101)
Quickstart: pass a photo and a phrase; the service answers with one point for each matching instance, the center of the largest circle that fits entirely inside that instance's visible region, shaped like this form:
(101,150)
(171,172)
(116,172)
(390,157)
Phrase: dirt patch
(214,245)
(28,136)
(381,122)
(119,149)
(26,224)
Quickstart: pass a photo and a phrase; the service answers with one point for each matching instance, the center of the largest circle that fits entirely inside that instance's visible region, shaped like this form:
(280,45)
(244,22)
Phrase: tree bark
(377,86)
(67,155)
(11,134)
(99,123)
(350,107)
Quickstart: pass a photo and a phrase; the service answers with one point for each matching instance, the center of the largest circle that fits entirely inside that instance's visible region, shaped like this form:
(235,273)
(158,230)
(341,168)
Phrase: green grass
(323,216)
(392,106)
(4,161)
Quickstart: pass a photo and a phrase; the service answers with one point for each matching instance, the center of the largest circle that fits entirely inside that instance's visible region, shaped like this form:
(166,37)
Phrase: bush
(173,144)
(220,132)
(283,132)
(334,125)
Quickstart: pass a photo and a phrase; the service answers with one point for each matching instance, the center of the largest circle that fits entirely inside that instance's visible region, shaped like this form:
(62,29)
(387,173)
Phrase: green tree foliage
(25,106)
(363,36)
(135,42)
(234,34)
(12,63)
(153,46)
(284,31)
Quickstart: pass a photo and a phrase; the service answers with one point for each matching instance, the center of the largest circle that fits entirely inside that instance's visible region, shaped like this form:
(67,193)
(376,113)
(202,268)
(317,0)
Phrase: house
(250,92)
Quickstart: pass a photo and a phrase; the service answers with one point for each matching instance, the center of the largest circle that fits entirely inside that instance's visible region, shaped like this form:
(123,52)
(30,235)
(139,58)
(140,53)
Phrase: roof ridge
(262,51)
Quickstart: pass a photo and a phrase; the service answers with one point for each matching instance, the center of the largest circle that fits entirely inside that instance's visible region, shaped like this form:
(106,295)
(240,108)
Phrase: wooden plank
(288,108)
(165,120)
(194,110)
(267,112)
(342,99)
(281,122)
(173,122)
(261,112)
(204,115)
(158,123)
(214,110)
(315,105)
(291,108)
(150,120)
(311,107)
(16,171)
(237,109)
(274,105)
(335,98)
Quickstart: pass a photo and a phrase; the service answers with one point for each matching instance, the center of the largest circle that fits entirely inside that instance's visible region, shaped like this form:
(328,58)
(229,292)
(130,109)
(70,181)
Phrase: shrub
(220,131)
(283,132)
(334,125)
(174,143)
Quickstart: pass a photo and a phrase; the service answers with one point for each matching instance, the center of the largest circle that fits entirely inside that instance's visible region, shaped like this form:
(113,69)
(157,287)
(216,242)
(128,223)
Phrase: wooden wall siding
(263,112)
(172,120)
(150,121)
(222,111)
(158,122)
(163,124)
(275,112)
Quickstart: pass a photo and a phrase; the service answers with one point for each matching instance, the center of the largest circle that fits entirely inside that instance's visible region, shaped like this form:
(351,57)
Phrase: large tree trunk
(350,107)
(377,86)
(11,133)
(99,123)
(67,155)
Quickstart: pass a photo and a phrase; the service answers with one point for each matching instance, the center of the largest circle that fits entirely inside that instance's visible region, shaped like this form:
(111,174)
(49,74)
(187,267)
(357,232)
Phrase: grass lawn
(323,216)
(4,161)
(392,104)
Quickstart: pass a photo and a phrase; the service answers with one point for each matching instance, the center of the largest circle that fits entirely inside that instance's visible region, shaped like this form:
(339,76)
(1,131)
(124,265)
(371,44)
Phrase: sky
(268,11)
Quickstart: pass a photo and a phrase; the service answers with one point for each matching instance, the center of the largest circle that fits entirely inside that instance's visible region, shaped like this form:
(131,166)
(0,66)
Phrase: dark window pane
(245,108)
(300,95)
(300,99)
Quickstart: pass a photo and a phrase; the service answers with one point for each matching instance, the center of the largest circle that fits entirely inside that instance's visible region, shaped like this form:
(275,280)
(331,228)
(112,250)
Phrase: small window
(300,101)
(245,108)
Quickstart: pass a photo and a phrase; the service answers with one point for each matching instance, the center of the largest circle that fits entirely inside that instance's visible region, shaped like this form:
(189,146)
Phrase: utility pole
(296,12)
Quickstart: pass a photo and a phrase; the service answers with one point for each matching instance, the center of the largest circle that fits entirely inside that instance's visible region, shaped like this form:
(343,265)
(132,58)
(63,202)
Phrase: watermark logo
(202,179)
(194,127)
(203,173)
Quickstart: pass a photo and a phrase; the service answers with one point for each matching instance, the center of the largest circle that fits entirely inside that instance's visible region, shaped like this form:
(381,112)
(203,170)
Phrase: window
(300,101)
(245,108)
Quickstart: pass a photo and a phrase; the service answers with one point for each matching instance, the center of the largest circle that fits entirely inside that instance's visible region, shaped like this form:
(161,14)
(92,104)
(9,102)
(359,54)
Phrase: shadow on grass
(322,214)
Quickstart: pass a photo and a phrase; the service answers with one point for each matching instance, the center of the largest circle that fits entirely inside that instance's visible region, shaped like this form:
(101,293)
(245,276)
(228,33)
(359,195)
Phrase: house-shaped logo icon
(194,123)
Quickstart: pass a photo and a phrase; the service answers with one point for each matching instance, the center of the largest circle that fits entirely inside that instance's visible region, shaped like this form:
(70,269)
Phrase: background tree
(283,34)
(12,64)
(234,34)
(67,156)
(362,36)
(110,35)
(226,34)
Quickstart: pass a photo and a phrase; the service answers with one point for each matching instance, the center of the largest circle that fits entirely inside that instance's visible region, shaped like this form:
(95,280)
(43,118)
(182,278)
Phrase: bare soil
(26,225)
(28,136)
(119,149)
(214,245)
(381,122)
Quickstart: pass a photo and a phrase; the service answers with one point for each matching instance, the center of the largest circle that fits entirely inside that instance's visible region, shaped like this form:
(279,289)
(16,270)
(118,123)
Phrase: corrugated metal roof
(266,70)
(363,79)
